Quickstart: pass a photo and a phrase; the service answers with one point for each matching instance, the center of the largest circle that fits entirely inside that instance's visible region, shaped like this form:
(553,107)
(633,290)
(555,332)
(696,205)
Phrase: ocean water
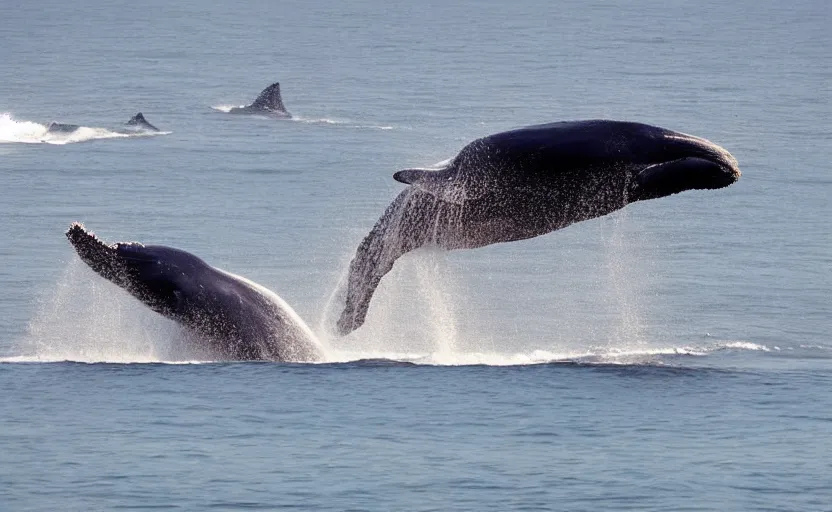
(673,356)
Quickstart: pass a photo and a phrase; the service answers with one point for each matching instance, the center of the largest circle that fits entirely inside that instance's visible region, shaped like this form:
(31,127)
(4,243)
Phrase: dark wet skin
(528,182)
(233,318)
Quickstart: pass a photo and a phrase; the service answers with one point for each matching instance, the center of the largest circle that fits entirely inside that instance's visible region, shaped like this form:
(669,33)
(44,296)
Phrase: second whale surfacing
(528,182)
(134,124)
(268,103)
(236,318)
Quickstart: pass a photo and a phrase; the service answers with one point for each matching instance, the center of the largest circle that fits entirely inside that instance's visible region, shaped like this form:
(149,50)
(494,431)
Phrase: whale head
(161,277)
(687,163)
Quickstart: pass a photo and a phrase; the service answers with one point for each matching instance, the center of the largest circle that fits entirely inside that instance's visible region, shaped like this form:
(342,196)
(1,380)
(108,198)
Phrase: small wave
(226,108)
(346,123)
(30,132)
(602,356)
(534,357)
(746,345)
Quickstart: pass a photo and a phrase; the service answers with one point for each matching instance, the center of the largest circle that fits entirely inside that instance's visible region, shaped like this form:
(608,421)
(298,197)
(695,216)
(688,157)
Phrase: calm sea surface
(673,356)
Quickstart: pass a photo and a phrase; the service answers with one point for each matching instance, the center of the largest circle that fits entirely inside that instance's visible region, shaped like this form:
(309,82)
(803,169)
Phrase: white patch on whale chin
(226,108)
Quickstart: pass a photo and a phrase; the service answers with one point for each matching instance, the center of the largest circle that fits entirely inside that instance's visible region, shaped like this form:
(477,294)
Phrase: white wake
(30,132)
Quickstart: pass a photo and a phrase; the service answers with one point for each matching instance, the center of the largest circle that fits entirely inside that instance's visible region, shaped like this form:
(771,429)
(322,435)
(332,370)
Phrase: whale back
(54,127)
(568,155)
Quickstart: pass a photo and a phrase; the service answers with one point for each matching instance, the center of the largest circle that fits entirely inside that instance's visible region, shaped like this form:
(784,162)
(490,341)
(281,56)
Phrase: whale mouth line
(704,149)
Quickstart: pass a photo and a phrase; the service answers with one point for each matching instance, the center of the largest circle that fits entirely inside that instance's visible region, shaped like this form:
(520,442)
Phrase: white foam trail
(226,108)
(30,132)
(308,120)
(599,355)
(346,123)
(746,345)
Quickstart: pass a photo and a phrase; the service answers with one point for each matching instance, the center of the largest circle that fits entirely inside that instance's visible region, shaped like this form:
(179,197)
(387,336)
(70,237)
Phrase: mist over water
(415,319)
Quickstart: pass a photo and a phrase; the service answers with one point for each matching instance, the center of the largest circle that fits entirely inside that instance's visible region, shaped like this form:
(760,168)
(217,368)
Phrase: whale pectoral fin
(403,227)
(441,184)
(667,178)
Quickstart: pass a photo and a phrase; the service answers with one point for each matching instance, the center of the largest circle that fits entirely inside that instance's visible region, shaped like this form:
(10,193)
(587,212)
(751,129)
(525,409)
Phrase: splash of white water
(30,132)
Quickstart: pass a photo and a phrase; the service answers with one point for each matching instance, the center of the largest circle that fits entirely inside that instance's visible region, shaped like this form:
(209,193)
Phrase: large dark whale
(135,123)
(236,318)
(268,103)
(527,182)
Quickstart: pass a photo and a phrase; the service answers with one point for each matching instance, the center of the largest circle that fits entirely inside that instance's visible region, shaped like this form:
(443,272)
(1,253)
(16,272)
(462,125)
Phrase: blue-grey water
(673,356)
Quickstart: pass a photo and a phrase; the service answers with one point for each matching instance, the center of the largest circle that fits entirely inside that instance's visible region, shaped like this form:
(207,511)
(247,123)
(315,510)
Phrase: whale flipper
(396,233)
(140,122)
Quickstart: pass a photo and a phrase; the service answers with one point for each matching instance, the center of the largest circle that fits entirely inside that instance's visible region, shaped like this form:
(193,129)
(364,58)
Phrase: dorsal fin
(442,184)
(137,119)
(270,99)
(411,176)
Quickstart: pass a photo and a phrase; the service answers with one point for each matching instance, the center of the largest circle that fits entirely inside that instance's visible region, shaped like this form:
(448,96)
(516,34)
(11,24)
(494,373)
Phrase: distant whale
(137,122)
(236,318)
(54,127)
(525,183)
(268,103)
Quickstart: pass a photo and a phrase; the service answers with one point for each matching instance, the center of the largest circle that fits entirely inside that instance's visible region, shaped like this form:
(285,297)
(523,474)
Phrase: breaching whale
(268,103)
(237,318)
(137,122)
(528,182)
